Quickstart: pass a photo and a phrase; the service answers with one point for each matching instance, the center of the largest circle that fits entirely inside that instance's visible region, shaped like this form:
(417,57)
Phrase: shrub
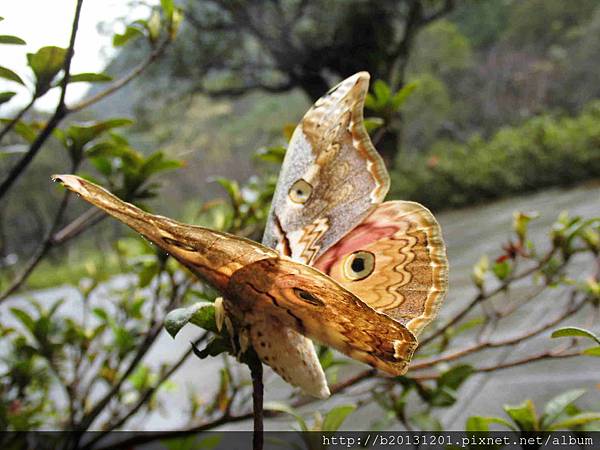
(544,151)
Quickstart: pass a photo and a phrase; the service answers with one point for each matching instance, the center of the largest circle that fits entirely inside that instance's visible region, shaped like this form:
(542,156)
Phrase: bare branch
(241,90)
(571,309)
(10,125)
(118,84)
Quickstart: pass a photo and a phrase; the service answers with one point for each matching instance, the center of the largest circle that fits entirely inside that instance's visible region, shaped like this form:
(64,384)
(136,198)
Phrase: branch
(241,90)
(571,309)
(146,396)
(547,354)
(447,8)
(59,113)
(54,238)
(10,125)
(151,335)
(482,296)
(415,20)
(118,84)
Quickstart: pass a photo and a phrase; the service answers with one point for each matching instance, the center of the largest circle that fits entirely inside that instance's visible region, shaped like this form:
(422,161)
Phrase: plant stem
(10,125)
(256,371)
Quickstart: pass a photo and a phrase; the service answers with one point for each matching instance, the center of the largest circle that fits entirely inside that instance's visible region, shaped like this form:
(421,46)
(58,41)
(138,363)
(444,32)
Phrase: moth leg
(238,336)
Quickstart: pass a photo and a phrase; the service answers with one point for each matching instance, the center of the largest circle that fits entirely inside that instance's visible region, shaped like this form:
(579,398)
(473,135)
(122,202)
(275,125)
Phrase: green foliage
(89,77)
(165,19)
(200,314)
(10,75)
(45,64)
(11,40)
(560,413)
(6,96)
(580,332)
(544,151)
(385,104)
(443,50)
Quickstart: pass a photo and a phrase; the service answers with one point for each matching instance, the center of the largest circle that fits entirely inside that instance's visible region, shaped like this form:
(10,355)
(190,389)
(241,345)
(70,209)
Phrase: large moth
(336,264)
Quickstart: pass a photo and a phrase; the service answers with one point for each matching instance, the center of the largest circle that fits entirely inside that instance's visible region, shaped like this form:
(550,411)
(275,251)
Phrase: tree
(233,47)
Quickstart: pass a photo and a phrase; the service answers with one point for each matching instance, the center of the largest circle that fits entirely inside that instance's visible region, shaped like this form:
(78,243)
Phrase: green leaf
(77,136)
(382,91)
(6,96)
(481,423)
(101,314)
(402,95)
(12,40)
(594,351)
(370,102)
(577,420)
(46,63)
(168,8)
(575,332)
(200,314)
(274,154)
(233,189)
(372,123)
(175,21)
(153,25)
(502,269)
(158,163)
(282,407)
(524,415)
(89,77)
(24,318)
(556,406)
(24,130)
(132,32)
(10,75)
(205,318)
(454,377)
(426,422)
(521,222)
(139,378)
(333,419)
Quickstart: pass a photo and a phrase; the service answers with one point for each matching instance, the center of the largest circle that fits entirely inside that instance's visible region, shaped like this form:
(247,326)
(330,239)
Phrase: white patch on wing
(291,355)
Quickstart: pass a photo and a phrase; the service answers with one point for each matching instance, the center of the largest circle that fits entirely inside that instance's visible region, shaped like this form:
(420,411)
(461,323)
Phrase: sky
(48,22)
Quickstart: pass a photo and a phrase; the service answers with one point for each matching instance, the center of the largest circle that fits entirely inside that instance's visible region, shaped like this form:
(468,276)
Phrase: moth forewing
(212,255)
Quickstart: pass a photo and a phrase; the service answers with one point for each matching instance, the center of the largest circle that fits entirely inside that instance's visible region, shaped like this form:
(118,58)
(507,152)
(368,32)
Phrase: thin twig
(146,396)
(482,296)
(10,125)
(118,84)
(547,354)
(572,308)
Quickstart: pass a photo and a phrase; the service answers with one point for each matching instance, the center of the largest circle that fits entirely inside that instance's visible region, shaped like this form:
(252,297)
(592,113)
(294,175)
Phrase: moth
(337,264)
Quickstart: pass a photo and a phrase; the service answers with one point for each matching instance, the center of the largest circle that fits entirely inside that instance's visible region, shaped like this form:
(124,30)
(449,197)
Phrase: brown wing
(395,261)
(313,304)
(331,178)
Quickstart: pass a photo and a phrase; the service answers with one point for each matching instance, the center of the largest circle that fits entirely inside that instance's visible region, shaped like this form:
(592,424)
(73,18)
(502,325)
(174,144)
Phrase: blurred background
(479,109)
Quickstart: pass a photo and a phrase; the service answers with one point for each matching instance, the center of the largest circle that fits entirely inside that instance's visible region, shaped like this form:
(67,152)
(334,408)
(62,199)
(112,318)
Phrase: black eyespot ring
(308,297)
(359,265)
